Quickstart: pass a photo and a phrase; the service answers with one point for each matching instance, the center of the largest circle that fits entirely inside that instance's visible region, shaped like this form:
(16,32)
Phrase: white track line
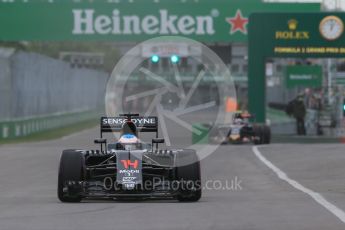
(316,196)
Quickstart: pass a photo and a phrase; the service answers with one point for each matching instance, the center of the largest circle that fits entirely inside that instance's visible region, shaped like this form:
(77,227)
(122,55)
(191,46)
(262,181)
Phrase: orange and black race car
(129,168)
(242,130)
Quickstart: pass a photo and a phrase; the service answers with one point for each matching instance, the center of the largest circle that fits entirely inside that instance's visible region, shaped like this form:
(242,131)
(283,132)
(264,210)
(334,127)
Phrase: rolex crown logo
(292,24)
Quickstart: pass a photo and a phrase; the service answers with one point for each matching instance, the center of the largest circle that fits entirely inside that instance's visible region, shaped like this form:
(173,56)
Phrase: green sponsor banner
(136,20)
(309,76)
(300,35)
(340,81)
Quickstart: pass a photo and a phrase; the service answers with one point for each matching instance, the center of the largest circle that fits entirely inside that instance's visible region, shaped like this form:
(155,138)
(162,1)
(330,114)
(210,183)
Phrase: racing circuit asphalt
(261,201)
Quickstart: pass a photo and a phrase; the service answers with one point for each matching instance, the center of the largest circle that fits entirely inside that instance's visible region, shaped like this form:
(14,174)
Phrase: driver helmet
(238,121)
(128,133)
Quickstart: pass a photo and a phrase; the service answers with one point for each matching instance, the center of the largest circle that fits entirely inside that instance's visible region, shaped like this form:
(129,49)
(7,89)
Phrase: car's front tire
(189,175)
(71,170)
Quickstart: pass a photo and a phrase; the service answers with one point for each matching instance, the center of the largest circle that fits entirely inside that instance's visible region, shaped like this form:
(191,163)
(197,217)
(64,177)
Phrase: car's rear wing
(144,124)
(114,124)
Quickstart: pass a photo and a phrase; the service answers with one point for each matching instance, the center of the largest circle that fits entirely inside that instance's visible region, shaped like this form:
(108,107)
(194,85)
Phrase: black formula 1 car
(241,130)
(129,168)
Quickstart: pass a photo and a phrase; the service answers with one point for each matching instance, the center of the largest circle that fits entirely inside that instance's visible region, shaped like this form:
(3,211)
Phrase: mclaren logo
(292,33)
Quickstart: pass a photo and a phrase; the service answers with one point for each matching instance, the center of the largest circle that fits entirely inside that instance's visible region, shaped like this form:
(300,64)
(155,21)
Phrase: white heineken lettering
(103,25)
(208,22)
(186,25)
(150,25)
(131,25)
(116,22)
(86,21)
(83,18)
(167,23)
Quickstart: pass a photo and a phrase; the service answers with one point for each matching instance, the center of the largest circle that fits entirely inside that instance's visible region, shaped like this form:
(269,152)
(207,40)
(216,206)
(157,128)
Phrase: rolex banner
(133,20)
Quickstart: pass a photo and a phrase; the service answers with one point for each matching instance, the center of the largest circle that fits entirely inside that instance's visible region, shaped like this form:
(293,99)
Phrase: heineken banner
(307,76)
(133,20)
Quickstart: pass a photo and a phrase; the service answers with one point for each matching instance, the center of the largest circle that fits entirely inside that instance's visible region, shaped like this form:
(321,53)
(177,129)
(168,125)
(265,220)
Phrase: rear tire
(267,134)
(259,135)
(71,169)
(188,172)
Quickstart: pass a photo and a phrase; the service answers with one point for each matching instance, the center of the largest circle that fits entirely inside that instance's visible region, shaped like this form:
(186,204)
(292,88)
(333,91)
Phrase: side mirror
(100,141)
(157,140)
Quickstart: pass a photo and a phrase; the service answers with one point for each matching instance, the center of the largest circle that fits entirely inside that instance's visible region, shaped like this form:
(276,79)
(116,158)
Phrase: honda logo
(129,163)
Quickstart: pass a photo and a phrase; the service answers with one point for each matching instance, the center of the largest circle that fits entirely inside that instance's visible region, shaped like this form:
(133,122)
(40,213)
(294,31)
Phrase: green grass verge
(277,116)
(54,133)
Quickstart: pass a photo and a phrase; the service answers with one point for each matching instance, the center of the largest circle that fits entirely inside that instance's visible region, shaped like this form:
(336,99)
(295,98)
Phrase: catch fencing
(40,90)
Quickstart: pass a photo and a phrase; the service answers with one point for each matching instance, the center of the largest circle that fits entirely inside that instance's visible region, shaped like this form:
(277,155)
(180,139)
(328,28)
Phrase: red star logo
(238,23)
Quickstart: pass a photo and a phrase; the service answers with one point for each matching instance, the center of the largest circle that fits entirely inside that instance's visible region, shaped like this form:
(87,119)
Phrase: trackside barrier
(24,127)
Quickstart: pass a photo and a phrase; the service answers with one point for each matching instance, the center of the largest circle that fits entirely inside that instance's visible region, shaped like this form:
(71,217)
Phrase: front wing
(126,174)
